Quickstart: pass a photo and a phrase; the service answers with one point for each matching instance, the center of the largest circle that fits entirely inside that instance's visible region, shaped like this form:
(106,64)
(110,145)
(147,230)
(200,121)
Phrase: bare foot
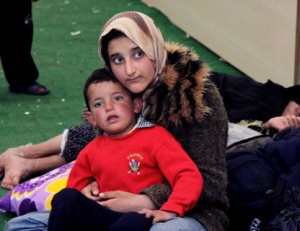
(18,151)
(16,169)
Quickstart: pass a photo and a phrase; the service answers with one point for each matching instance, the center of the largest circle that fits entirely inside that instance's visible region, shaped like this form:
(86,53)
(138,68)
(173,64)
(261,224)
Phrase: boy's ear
(89,117)
(137,105)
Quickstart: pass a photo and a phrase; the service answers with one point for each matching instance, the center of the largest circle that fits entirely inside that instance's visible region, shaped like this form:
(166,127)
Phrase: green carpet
(65,51)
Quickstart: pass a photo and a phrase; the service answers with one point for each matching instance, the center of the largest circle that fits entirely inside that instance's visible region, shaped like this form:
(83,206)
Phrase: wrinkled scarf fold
(142,30)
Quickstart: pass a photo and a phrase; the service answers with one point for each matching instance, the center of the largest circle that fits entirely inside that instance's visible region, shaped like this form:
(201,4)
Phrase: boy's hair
(99,75)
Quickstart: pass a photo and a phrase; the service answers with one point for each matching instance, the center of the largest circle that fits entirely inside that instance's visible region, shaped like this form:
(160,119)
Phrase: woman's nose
(130,68)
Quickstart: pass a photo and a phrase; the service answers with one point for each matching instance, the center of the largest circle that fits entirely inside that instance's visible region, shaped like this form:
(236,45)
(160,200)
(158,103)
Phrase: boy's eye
(98,104)
(118,98)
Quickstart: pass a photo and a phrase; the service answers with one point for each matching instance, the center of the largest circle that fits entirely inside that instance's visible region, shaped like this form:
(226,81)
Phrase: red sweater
(137,160)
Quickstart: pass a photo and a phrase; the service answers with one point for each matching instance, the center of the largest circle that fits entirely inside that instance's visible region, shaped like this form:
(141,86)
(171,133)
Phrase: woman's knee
(31,222)
(179,224)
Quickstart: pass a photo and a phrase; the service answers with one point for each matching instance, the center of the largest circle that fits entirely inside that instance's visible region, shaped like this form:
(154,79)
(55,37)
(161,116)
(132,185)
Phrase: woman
(176,94)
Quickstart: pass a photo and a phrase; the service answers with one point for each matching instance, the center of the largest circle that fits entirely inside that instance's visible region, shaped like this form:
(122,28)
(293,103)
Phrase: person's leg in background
(15,47)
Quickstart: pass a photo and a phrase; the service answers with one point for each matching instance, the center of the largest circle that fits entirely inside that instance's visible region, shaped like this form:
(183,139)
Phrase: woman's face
(130,64)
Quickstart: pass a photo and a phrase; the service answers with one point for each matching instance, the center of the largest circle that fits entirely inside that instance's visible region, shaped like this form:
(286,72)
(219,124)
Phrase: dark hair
(113,34)
(99,75)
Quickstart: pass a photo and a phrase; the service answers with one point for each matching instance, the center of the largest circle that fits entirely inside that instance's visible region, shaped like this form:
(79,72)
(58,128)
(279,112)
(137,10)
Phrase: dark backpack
(257,179)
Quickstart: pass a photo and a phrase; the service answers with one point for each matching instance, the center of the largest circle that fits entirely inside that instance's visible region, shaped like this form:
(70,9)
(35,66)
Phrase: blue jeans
(38,221)
(179,224)
(34,221)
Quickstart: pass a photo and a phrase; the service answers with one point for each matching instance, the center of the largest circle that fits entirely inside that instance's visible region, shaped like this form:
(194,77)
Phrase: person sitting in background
(264,107)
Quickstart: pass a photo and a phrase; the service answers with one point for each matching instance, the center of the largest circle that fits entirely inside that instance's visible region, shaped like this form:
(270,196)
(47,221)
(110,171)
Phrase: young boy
(129,155)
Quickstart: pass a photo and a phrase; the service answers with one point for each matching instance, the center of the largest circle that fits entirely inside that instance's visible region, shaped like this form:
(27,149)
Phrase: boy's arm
(205,141)
(80,175)
(183,176)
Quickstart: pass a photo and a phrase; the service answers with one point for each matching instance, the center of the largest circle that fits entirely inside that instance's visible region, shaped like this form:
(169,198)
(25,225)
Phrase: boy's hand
(92,191)
(121,201)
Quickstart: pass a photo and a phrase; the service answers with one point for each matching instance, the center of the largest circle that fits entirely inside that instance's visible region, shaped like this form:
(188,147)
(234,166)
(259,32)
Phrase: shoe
(35,89)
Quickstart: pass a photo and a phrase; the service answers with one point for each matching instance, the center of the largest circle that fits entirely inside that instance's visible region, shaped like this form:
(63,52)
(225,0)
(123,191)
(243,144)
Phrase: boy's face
(112,108)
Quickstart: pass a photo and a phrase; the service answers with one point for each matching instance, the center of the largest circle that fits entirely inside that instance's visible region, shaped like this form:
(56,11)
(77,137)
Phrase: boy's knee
(132,221)
(65,195)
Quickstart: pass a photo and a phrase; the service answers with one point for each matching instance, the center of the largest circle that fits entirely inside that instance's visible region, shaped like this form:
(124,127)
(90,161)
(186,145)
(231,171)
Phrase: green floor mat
(65,50)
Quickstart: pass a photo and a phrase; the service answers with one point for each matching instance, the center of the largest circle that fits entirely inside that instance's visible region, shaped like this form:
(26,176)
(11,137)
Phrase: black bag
(289,218)
(257,179)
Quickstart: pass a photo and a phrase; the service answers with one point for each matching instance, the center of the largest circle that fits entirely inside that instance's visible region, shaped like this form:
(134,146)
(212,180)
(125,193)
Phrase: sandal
(35,89)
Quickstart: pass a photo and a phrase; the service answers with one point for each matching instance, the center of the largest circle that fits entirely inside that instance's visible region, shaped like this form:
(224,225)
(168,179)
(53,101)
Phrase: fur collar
(179,99)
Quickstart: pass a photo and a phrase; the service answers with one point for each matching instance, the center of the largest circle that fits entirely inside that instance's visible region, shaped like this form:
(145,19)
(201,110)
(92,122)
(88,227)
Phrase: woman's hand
(281,122)
(92,191)
(157,215)
(121,201)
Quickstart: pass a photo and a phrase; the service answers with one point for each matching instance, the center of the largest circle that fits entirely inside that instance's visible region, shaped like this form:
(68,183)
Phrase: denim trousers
(38,221)
(34,221)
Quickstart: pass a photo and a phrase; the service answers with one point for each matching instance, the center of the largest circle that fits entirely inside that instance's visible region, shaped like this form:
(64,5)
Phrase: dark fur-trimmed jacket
(190,107)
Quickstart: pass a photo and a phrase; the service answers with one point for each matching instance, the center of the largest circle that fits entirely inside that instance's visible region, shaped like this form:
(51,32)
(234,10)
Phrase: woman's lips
(133,80)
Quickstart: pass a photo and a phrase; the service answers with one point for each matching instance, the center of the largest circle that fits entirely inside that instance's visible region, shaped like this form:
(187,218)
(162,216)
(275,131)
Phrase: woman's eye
(139,54)
(117,60)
